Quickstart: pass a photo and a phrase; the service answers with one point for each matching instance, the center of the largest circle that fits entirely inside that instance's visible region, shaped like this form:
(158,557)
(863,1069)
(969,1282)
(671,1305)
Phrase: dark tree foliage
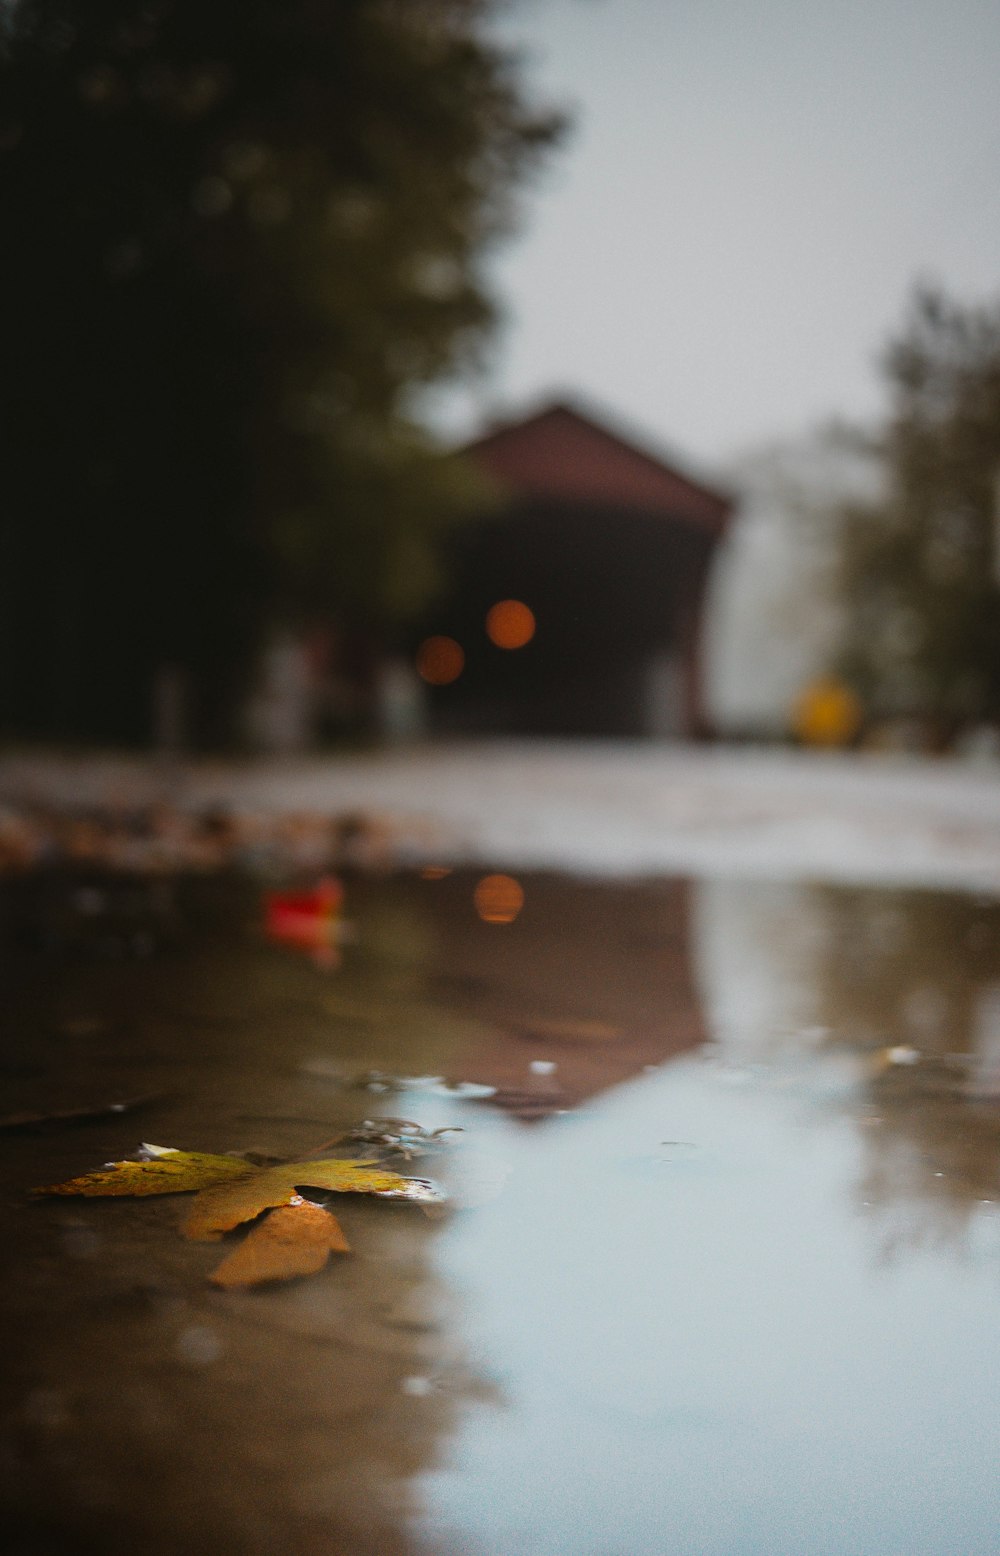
(238,235)
(923,566)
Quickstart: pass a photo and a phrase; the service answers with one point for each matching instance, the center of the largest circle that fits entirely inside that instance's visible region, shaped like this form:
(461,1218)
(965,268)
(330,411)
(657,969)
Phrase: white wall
(772,616)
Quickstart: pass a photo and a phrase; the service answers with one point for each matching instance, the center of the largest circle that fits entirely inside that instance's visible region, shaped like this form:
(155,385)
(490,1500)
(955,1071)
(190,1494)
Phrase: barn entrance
(609,549)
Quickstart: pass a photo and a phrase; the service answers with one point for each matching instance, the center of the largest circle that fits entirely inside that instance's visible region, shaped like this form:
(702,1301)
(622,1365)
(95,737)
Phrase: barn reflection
(565,1014)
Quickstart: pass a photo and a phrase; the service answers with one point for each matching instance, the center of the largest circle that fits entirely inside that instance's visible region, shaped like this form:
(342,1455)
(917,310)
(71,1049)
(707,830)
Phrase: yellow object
(295,1240)
(827,713)
(163,1172)
(227,1205)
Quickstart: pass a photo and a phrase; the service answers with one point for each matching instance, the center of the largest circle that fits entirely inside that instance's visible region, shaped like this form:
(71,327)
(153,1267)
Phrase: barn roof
(559,453)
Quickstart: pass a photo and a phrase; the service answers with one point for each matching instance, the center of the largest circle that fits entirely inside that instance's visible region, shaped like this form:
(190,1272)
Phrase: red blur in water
(308,920)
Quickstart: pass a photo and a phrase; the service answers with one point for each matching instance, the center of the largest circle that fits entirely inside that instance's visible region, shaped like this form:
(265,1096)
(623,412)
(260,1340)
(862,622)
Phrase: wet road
(722,1269)
(624,808)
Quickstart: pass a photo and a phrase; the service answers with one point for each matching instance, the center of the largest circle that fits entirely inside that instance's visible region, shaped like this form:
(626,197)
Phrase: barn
(604,548)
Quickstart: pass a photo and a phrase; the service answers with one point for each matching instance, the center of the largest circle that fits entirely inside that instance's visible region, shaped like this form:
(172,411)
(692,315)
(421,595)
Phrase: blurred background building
(576,596)
(251,251)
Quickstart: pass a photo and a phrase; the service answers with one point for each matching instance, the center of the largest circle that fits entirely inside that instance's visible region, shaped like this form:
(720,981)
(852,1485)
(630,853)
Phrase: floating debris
(529,1104)
(472,1091)
(383,1080)
(399,1135)
(436,1085)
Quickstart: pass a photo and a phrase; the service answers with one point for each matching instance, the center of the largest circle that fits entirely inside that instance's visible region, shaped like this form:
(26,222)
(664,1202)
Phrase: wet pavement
(720,1274)
(612,807)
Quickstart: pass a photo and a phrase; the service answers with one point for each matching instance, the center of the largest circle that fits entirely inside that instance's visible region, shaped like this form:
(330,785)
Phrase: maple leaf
(161,1170)
(296,1239)
(219,1208)
(297,1236)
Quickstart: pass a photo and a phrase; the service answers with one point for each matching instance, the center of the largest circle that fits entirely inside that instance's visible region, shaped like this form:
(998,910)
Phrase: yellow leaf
(165,1172)
(294,1240)
(219,1209)
(351,1177)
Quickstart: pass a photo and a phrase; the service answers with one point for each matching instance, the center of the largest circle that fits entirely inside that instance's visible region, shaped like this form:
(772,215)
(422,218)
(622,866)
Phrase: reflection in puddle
(498,899)
(774,1337)
(893,999)
(722,1274)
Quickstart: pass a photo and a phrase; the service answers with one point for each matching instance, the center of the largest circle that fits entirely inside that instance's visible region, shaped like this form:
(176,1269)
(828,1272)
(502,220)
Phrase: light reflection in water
(705,1351)
(714,1298)
(891,996)
(498,899)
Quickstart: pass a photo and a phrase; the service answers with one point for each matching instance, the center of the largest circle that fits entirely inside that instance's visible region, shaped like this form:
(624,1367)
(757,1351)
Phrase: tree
(239,236)
(921,566)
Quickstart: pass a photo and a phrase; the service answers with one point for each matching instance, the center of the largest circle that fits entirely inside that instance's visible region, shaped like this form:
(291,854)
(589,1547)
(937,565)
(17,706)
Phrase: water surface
(721,1276)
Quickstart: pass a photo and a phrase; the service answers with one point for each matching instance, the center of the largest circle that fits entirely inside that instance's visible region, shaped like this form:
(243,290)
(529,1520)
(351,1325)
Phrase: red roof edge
(661,481)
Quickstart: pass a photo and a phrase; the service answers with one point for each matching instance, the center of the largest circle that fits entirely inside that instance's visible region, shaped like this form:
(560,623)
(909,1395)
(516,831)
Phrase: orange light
(827,713)
(498,899)
(440,661)
(435,872)
(510,624)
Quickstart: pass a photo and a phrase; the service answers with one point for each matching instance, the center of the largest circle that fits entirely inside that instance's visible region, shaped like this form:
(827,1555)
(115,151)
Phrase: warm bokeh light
(435,872)
(307,920)
(510,624)
(827,713)
(440,660)
(498,899)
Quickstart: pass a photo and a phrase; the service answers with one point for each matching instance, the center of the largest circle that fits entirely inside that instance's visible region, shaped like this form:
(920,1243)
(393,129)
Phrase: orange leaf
(219,1209)
(295,1240)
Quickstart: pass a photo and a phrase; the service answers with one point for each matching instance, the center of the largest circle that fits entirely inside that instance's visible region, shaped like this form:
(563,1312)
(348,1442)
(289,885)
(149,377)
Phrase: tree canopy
(922,566)
(239,236)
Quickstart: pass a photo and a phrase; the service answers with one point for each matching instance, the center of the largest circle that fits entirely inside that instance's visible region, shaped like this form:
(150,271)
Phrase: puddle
(721,1273)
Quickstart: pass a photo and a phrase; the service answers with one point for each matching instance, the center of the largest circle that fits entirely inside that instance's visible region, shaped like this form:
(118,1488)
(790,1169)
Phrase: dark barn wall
(614,591)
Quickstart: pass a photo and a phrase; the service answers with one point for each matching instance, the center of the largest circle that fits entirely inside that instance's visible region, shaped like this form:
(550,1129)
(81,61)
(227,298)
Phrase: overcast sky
(724,242)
